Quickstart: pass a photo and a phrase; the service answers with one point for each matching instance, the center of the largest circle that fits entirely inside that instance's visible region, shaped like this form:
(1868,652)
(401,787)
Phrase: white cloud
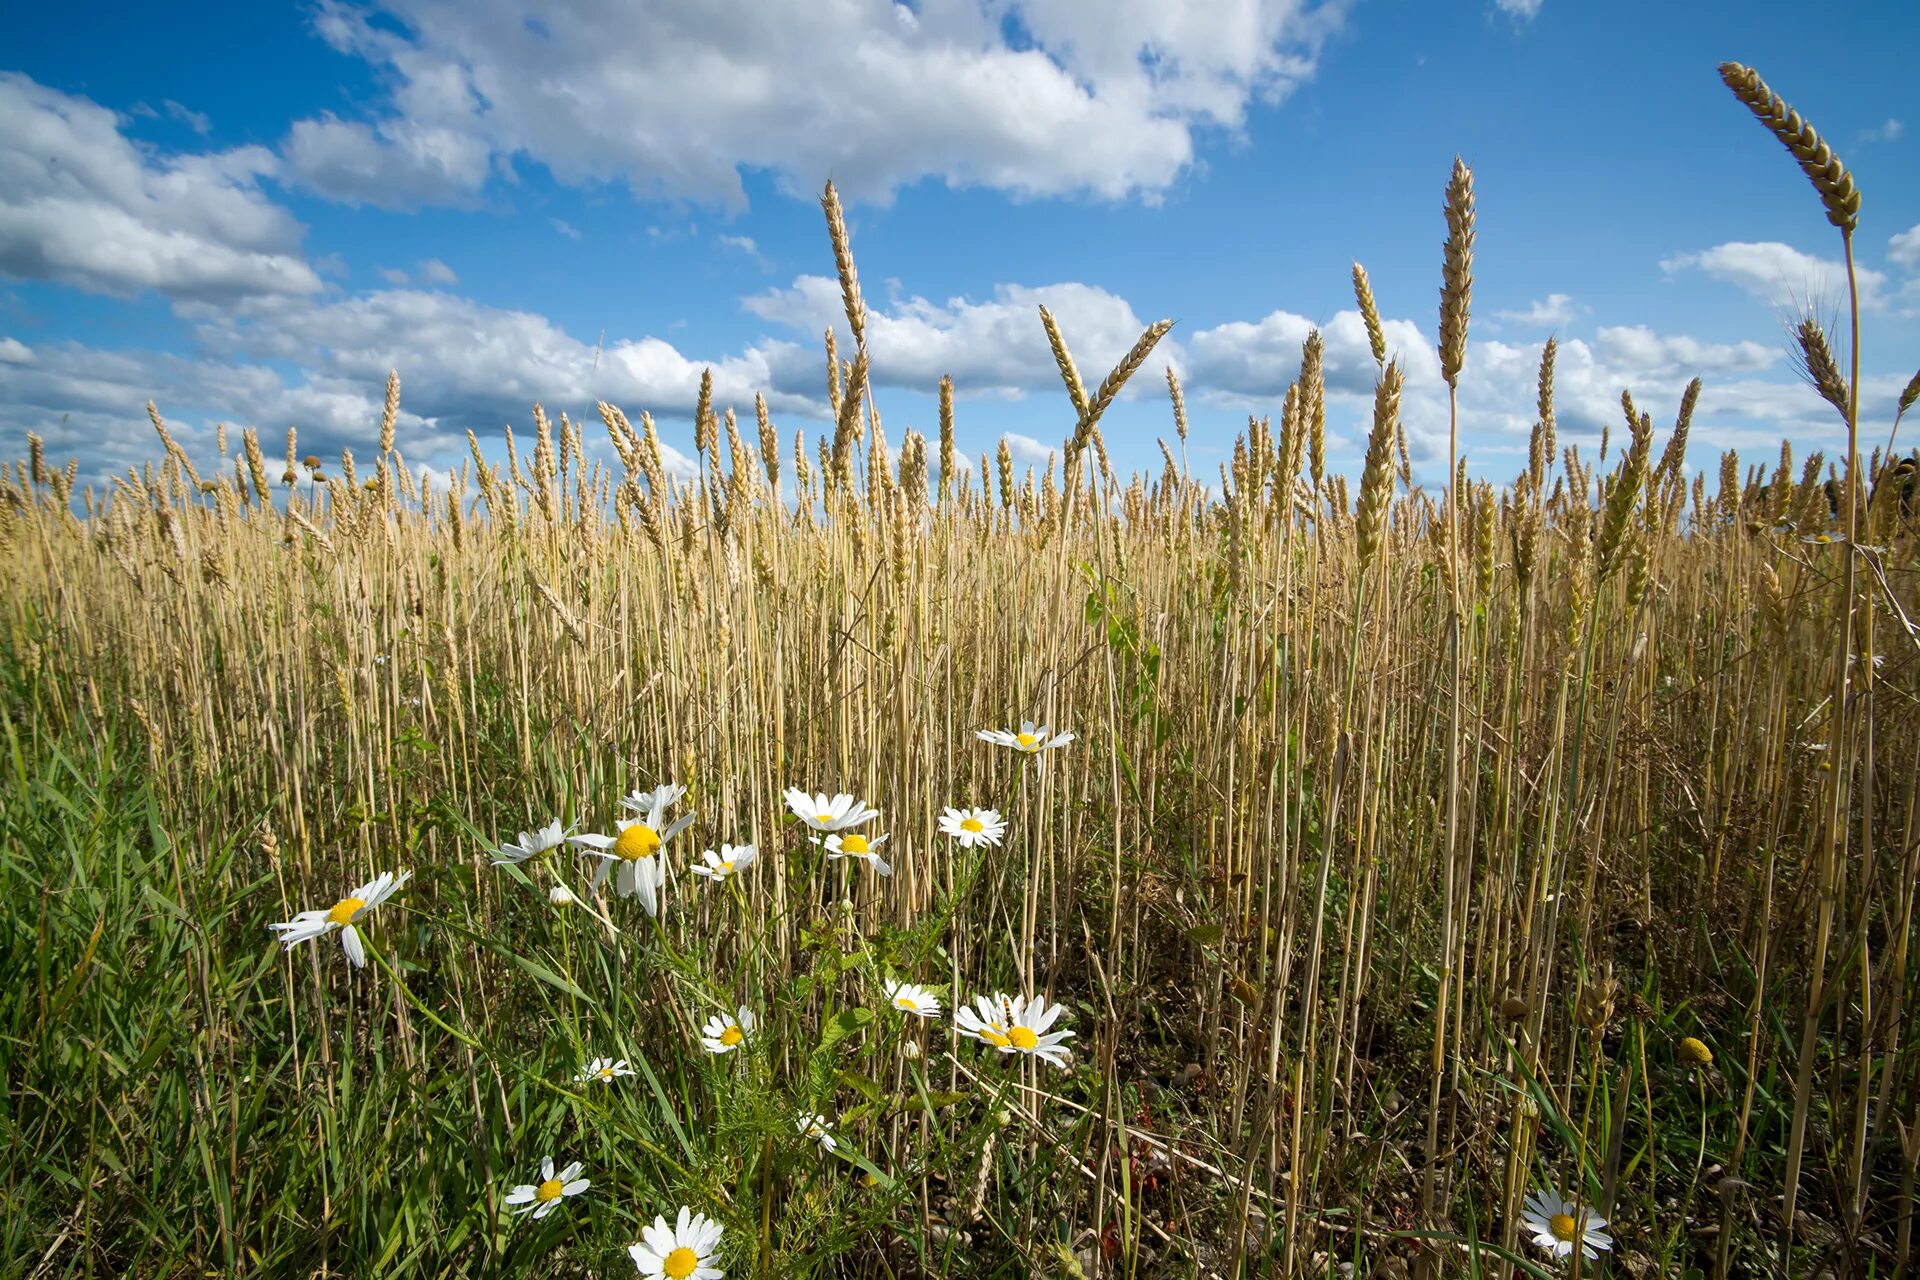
(993,348)
(396,165)
(1256,361)
(1027,449)
(435,480)
(1033,97)
(393,275)
(745,245)
(1555,311)
(1780,273)
(1520,10)
(566,229)
(1904,248)
(1655,355)
(194,120)
(469,364)
(462,365)
(434,271)
(1891,131)
(81,205)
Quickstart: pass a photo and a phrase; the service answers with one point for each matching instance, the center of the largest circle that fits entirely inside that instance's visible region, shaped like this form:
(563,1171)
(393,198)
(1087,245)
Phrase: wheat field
(1423,862)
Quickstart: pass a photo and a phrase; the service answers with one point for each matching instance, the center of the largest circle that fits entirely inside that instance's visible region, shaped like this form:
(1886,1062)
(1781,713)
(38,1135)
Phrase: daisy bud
(1695,1052)
(561,896)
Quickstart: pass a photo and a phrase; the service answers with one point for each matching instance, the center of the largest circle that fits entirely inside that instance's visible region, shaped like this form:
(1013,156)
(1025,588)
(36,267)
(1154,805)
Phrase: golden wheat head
(1823,168)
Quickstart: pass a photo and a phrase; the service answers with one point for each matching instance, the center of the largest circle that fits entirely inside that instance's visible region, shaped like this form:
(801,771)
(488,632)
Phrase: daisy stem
(766,1200)
(532,1077)
(387,967)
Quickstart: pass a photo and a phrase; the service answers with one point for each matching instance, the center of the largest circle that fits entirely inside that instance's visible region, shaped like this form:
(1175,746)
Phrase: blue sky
(251,213)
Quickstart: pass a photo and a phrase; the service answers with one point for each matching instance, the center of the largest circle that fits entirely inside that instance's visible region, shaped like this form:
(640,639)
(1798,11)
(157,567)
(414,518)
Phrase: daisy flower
(635,848)
(1555,1228)
(909,998)
(725,1032)
(343,915)
(561,896)
(811,1124)
(853,845)
(605,1070)
(829,813)
(730,859)
(533,845)
(544,1198)
(659,798)
(1016,1024)
(970,827)
(1031,740)
(683,1251)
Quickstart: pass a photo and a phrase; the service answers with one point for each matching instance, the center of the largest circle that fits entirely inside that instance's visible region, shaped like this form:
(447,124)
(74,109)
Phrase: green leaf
(866,1088)
(842,1025)
(544,974)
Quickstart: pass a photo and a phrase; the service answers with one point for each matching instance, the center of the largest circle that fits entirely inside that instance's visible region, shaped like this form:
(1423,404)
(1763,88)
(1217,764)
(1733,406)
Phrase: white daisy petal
(343,915)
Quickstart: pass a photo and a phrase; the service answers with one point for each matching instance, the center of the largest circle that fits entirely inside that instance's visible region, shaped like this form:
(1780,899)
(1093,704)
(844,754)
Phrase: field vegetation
(1408,861)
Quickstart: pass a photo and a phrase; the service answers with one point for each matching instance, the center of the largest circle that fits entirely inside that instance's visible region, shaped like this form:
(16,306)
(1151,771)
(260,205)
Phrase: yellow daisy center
(972,824)
(726,868)
(732,1035)
(343,910)
(680,1263)
(1563,1226)
(906,1002)
(606,1073)
(548,1190)
(636,842)
(825,819)
(1026,740)
(1023,1038)
(853,844)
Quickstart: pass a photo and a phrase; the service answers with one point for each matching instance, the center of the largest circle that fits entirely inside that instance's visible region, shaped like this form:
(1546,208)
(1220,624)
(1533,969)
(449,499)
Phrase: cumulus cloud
(1248,366)
(996,347)
(1027,449)
(80,204)
(395,165)
(463,366)
(1780,273)
(1033,97)
(466,364)
(1904,249)
(1256,360)
(1657,355)
(1556,310)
